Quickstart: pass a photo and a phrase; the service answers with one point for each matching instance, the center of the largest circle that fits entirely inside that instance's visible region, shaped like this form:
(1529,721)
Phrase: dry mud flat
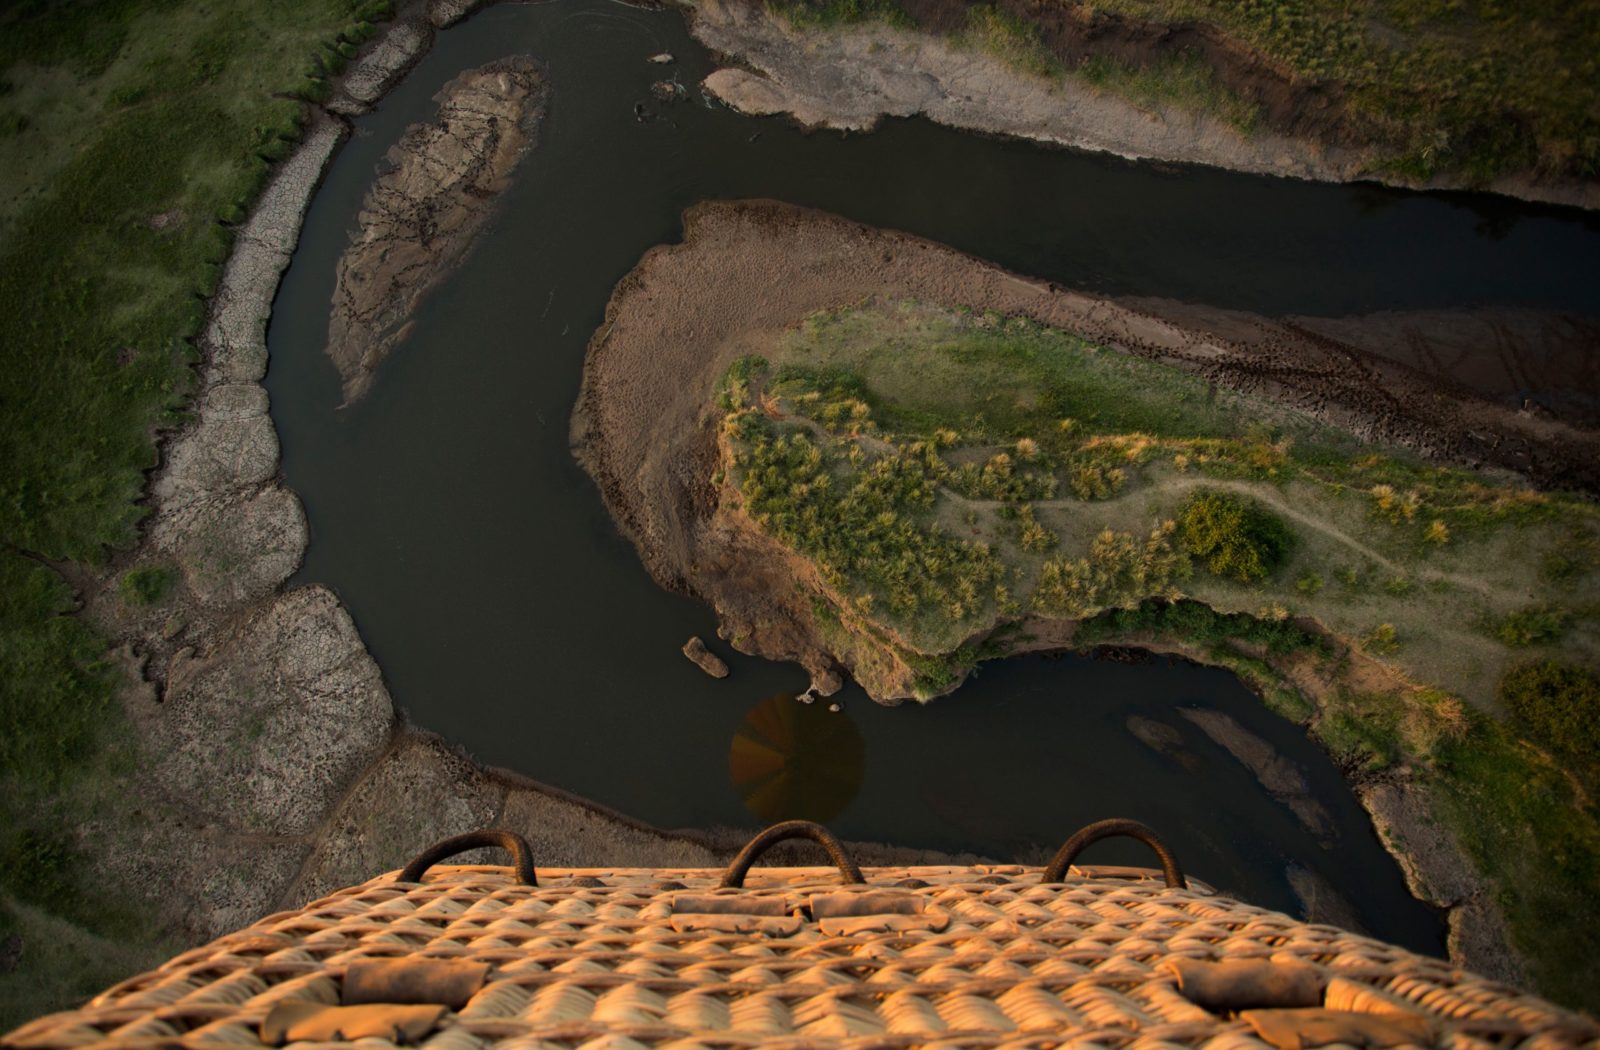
(420,217)
(748,270)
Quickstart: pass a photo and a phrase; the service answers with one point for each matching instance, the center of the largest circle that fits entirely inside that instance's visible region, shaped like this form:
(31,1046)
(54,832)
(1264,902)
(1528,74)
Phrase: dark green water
(508,614)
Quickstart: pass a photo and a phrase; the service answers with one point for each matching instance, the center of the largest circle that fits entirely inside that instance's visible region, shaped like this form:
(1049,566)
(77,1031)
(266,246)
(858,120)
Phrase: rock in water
(662,59)
(826,682)
(704,658)
(420,217)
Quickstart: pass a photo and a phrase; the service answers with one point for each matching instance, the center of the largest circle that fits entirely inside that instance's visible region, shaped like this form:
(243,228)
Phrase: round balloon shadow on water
(796,761)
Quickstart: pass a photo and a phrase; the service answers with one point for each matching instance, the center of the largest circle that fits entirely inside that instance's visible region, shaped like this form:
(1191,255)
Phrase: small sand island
(420,217)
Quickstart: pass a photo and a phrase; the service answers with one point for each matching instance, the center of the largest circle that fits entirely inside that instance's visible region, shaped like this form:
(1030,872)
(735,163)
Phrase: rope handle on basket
(510,841)
(1109,829)
(739,867)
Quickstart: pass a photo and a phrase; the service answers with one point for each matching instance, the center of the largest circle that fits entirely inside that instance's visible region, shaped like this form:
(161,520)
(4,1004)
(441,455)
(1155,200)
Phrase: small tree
(1236,537)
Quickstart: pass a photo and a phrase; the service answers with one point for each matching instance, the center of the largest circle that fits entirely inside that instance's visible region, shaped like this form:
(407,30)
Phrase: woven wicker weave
(613,958)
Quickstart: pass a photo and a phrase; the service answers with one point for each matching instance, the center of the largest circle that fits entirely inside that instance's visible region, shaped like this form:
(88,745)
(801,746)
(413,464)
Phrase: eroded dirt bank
(646,428)
(420,217)
(852,75)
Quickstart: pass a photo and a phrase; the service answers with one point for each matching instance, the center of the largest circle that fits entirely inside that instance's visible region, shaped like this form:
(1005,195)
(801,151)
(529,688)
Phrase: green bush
(1235,536)
(145,585)
(1533,625)
(1198,624)
(1557,706)
(817,14)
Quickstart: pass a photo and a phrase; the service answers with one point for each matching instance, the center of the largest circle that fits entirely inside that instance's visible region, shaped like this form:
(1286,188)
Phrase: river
(509,615)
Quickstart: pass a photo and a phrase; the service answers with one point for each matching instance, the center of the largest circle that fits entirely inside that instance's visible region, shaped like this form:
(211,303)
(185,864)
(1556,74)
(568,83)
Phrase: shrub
(145,585)
(1557,706)
(818,14)
(1533,625)
(1118,571)
(1236,537)
(1383,640)
(1091,481)
(1034,536)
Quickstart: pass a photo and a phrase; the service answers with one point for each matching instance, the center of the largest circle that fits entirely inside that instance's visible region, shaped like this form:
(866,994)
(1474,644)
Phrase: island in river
(421,216)
(875,455)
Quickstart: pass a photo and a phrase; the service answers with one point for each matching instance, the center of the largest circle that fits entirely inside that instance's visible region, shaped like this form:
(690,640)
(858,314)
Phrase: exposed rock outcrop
(382,67)
(704,658)
(420,217)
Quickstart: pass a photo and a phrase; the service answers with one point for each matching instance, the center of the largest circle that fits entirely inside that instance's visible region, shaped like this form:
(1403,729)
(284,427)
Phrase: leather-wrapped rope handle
(1109,829)
(510,841)
(849,874)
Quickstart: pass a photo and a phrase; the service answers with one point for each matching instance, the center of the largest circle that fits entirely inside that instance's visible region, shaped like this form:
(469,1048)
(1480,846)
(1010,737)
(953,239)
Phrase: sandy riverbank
(850,76)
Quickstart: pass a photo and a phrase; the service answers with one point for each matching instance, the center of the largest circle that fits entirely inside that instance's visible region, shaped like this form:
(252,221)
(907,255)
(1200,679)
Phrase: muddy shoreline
(849,77)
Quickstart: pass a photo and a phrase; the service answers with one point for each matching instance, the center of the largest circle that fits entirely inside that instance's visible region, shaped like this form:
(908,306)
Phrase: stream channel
(509,615)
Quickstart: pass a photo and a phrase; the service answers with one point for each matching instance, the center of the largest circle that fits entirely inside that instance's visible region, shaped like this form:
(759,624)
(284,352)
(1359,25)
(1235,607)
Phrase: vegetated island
(873,454)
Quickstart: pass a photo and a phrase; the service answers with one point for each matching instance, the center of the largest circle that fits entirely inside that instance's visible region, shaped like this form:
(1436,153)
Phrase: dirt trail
(1276,501)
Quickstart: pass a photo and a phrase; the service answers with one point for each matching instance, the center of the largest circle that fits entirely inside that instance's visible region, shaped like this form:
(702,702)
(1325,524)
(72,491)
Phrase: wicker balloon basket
(478,957)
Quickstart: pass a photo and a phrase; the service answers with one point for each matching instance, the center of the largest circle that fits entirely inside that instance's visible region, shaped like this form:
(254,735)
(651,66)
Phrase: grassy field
(134,132)
(950,474)
(1475,90)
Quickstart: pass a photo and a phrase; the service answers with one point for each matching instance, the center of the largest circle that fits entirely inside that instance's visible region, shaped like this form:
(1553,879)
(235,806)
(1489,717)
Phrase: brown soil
(747,270)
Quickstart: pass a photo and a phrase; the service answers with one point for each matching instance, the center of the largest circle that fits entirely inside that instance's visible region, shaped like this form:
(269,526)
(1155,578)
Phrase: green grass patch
(1521,821)
(1531,625)
(146,584)
(1011,39)
(1557,706)
(59,724)
(1181,81)
(134,131)
(1476,89)
(148,124)
(1200,625)
(820,14)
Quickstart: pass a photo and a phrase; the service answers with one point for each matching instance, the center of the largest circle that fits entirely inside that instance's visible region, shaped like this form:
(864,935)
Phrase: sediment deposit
(420,217)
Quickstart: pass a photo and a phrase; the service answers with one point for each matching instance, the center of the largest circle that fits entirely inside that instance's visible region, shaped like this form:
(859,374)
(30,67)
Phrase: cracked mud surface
(420,217)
